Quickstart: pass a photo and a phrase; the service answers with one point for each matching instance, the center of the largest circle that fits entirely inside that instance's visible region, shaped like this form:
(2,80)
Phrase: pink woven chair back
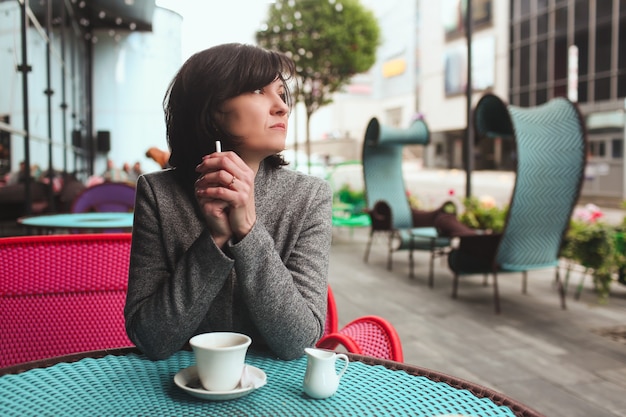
(375,336)
(62,294)
(367,335)
(332,320)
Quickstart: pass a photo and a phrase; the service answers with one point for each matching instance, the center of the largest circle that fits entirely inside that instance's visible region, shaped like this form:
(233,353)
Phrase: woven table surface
(132,385)
(94,220)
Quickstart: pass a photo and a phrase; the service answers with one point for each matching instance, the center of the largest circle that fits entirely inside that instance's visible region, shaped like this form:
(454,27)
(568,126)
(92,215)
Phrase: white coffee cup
(220,358)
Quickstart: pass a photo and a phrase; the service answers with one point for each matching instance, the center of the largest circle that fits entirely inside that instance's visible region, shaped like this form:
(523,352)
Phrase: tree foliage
(330,41)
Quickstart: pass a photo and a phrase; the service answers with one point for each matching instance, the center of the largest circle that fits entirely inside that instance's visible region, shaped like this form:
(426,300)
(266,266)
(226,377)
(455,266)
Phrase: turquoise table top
(131,385)
(80,221)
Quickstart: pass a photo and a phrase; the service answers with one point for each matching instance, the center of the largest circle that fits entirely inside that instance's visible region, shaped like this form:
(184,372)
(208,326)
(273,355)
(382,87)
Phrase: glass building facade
(541,34)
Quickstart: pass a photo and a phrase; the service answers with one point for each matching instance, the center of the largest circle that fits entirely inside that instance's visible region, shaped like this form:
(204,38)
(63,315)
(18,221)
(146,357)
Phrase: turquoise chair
(386,196)
(551,150)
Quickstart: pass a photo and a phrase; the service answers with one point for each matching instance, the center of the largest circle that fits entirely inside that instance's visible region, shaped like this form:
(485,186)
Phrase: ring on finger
(232,182)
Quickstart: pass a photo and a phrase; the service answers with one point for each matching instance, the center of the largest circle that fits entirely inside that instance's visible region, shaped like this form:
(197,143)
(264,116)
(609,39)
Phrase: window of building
(524,66)
(602,89)
(581,14)
(542,5)
(617,148)
(525,30)
(581,40)
(597,149)
(542,62)
(621,85)
(542,25)
(604,10)
(525,8)
(560,21)
(603,47)
(524,99)
(512,66)
(621,50)
(541,96)
(582,92)
(560,58)
(560,89)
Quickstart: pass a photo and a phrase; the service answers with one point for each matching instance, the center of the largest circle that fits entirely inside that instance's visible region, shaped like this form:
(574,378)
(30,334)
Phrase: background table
(83,221)
(126,383)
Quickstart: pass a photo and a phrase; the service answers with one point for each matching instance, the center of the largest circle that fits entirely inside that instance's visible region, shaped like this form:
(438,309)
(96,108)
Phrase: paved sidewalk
(563,363)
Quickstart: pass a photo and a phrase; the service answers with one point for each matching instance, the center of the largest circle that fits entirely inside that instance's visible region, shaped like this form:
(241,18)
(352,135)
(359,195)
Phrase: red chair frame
(62,294)
(367,335)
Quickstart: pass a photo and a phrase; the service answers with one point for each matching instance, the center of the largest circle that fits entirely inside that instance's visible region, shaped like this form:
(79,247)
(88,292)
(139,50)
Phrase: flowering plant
(592,243)
(483,213)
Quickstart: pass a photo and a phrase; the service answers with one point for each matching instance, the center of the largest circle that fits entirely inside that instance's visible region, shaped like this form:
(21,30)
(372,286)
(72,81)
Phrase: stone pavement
(563,363)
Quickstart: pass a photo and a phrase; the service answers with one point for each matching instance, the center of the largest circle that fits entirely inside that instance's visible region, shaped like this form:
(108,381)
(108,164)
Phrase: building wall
(11,98)
(386,90)
(131,75)
(443,81)
(543,33)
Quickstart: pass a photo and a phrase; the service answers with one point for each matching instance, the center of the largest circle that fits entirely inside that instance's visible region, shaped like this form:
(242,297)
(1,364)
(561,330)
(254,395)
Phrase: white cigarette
(218,146)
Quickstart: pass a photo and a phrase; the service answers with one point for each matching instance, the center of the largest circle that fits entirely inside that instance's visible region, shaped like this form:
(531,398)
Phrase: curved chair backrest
(332,319)
(551,152)
(367,335)
(382,167)
(62,294)
(106,197)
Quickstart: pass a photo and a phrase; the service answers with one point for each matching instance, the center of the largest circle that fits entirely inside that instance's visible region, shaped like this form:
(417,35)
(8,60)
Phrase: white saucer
(187,379)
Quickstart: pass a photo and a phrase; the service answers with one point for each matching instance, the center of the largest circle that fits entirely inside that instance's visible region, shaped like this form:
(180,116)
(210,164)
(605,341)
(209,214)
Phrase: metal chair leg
(431,276)
(496,295)
(455,285)
(389,260)
(561,289)
(368,246)
(579,288)
(411,261)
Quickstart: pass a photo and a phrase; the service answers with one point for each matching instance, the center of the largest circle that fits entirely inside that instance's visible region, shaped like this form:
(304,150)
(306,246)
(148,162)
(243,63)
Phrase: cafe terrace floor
(563,363)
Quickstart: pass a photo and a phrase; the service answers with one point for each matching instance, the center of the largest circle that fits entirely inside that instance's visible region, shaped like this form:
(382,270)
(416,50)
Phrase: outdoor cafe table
(122,382)
(80,221)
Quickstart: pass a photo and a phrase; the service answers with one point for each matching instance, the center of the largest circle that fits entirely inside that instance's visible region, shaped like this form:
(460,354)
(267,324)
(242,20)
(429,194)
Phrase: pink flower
(589,214)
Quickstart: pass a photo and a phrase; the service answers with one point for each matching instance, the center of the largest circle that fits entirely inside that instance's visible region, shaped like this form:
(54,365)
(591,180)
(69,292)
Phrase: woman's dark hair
(203,83)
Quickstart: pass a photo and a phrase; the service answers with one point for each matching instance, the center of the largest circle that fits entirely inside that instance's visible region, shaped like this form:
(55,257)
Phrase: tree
(329,40)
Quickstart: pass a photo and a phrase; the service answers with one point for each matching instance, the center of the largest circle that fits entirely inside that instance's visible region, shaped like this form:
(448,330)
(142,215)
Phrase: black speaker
(103,141)
(77,139)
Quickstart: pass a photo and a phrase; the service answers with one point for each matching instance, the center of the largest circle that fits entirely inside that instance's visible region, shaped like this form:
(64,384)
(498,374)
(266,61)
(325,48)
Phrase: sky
(209,22)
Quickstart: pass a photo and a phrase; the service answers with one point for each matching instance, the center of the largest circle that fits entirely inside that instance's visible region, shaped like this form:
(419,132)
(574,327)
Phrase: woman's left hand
(225,192)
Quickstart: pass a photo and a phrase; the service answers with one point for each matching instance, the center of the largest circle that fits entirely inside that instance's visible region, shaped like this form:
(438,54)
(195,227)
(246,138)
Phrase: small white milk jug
(321,379)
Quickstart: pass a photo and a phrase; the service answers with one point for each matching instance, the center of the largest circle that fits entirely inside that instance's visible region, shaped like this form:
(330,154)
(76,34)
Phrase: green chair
(386,197)
(348,195)
(550,149)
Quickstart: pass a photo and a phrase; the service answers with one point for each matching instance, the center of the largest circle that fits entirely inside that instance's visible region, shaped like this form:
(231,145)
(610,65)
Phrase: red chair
(367,335)
(62,294)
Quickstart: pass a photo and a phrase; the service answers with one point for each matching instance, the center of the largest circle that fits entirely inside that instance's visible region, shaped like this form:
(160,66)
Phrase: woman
(231,240)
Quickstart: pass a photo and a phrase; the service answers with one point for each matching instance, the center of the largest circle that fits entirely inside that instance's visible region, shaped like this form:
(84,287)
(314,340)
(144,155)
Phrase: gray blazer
(270,285)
